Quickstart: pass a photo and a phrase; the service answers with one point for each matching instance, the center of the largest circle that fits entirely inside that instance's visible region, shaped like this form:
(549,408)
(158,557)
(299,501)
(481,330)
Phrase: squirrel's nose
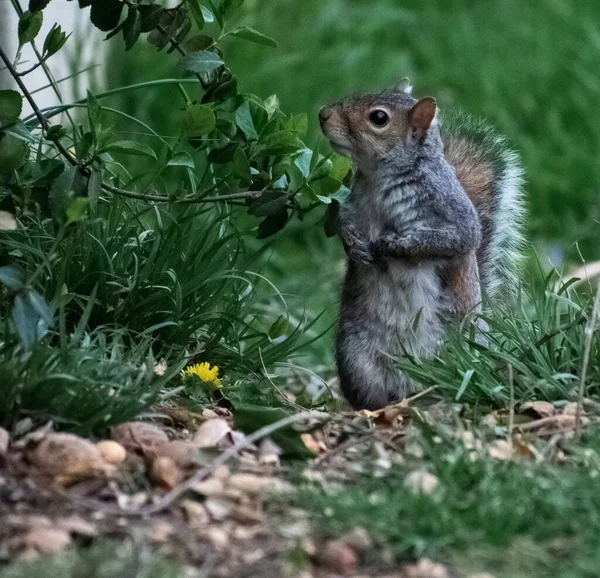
(325,113)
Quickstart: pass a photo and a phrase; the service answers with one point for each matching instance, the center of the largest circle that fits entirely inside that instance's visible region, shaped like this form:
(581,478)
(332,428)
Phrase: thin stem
(589,337)
(43,121)
(31,69)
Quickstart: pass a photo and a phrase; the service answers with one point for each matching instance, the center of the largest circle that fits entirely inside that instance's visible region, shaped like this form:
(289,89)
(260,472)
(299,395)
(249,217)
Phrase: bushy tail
(492,176)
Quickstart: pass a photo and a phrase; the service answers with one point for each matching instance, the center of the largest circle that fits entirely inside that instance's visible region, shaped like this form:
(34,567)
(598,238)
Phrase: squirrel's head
(376,129)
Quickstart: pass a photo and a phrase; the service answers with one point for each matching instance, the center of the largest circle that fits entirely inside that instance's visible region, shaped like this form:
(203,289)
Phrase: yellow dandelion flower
(205,373)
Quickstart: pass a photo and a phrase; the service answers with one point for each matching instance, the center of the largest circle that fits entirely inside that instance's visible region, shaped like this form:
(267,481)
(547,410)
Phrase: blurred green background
(531,67)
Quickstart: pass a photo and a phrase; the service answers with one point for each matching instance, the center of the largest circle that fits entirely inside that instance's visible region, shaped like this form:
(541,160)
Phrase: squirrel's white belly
(405,301)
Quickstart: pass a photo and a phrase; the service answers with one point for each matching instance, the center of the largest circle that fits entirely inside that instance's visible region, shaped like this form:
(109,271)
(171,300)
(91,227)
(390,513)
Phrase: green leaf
(298,123)
(269,203)
(13,152)
(56,132)
(25,320)
(29,27)
(223,155)
(69,184)
(55,40)
(13,277)
(76,209)
(216,12)
(106,14)
(201,61)
(245,122)
(182,159)
(150,16)
(198,42)
(207,14)
(37,5)
(94,188)
(241,167)
(280,143)
(330,223)
(272,224)
(130,147)
(247,33)
(132,27)
(340,166)
(198,120)
(197,13)
(11,104)
(279,327)
(249,418)
(326,186)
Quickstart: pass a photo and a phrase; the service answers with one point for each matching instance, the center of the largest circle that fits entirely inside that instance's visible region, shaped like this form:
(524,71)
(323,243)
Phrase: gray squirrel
(433,220)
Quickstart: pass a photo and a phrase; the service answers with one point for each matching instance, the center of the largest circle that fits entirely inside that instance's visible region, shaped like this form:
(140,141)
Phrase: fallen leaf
(252,484)
(424,569)
(77,525)
(268,452)
(196,513)
(210,433)
(8,221)
(112,452)
(160,532)
(358,539)
(217,536)
(501,450)
(538,408)
(421,482)
(47,539)
(316,447)
(338,557)
(246,513)
(185,454)
(68,458)
(139,437)
(210,487)
(218,508)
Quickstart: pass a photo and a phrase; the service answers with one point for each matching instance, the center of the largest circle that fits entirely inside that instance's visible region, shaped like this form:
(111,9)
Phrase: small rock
(425,569)
(210,487)
(77,525)
(139,437)
(165,473)
(251,483)
(338,557)
(217,536)
(112,452)
(68,458)
(160,532)
(185,454)
(421,482)
(4,440)
(358,539)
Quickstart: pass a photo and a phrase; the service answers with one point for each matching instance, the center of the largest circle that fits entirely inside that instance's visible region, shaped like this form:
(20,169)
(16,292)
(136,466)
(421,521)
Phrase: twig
(589,337)
(340,448)
(43,121)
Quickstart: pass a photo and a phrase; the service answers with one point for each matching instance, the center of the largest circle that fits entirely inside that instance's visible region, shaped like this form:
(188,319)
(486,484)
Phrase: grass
(507,518)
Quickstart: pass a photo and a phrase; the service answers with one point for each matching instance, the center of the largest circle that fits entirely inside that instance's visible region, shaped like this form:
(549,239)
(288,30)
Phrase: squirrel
(433,221)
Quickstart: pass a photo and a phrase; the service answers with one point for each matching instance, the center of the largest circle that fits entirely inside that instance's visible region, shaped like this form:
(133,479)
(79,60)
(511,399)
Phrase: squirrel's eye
(379,117)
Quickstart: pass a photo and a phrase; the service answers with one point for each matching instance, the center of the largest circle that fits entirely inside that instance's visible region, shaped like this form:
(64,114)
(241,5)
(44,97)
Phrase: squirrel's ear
(422,114)
(405,86)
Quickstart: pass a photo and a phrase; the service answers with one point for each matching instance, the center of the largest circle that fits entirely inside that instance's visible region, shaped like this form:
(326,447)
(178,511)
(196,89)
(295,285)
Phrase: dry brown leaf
(68,458)
(268,452)
(47,539)
(160,532)
(165,473)
(185,454)
(252,484)
(217,536)
(210,433)
(210,487)
(338,557)
(313,445)
(218,508)
(539,408)
(501,450)
(358,539)
(77,525)
(553,424)
(425,569)
(112,452)
(139,437)
(571,409)
(421,482)
(196,513)
(246,513)
(4,440)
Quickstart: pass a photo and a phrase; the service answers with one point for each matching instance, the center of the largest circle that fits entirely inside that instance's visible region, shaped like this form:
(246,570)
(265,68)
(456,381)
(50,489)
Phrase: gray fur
(404,221)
